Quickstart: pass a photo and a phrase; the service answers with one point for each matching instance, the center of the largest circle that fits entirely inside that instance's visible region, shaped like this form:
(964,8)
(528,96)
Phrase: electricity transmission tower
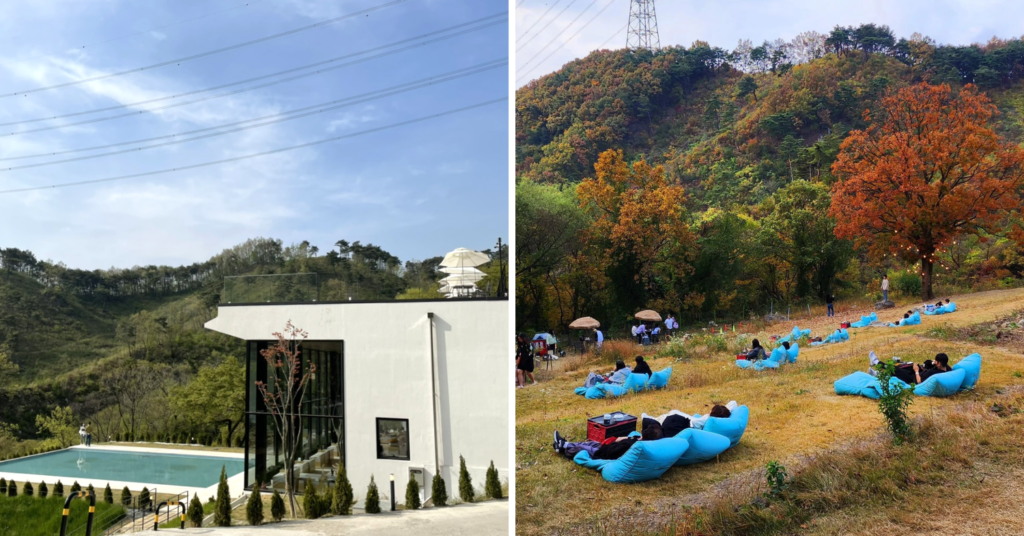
(643,26)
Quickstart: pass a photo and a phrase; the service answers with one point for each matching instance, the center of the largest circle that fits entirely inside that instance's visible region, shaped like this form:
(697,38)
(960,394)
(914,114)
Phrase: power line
(540,31)
(266,120)
(559,34)
(520,3)
(592,19)
(466,30)
(111,40)
(536,22)
(207,53)
(264,153)
(606,41)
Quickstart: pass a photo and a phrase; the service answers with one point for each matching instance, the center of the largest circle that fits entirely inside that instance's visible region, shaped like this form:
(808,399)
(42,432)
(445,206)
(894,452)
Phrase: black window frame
(380,449)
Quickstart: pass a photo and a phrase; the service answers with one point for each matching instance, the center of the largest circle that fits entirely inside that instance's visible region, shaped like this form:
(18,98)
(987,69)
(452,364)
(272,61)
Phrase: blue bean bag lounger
(634,383)
(839,335)
(913,320)
(778,356)
(645,460)
(793,352)
(964,376)
(660,379)
(948,308)
(864,321)
(704,446)
(731,427)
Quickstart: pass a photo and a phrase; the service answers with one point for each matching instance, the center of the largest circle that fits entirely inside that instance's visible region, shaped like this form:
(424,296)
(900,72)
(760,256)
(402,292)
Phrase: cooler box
(740,357)
(621,425)
(844,325)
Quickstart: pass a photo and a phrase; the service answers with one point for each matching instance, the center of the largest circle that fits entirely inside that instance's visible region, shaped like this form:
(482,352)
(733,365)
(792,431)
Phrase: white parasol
(463,257)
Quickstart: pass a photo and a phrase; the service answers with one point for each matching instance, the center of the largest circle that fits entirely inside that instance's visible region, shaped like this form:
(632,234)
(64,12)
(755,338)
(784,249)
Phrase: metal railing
(132,520)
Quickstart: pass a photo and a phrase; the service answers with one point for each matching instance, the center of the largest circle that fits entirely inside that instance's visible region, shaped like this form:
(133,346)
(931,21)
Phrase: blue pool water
(126,466)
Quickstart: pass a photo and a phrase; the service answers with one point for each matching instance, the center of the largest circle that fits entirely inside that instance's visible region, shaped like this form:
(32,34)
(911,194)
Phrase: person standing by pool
(88,435)
(81,434)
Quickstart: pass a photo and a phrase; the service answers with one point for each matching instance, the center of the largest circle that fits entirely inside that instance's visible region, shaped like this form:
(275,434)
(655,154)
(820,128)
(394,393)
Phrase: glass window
(392,439)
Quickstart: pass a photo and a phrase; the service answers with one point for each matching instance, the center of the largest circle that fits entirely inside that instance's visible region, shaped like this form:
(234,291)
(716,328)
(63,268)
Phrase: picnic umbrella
(648,315)
(584,323)
(460,280)
(461,270)
(463,257)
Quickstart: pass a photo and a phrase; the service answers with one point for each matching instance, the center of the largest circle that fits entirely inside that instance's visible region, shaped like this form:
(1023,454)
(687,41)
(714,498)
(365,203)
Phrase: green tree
(58,490)
(126,496)
(43,490)
(215,397)
(145,501)
(493,486)
(412,495)
(194,512)
(747,86)
(3,486)
(254,508)
(310,502)
(439,492)
(108,495)
(372,498)
(222,512)
(465,482)
(27,489)
(60,425)
(12,489)
(276,506)
(75,486)
(341,501)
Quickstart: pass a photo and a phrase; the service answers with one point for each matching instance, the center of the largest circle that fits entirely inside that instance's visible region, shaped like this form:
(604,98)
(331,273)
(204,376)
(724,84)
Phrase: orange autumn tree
(928,168)
(639,226)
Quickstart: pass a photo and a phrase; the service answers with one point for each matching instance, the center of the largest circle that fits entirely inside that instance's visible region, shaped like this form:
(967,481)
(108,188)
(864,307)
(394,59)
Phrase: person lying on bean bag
(676,421)
(611,448)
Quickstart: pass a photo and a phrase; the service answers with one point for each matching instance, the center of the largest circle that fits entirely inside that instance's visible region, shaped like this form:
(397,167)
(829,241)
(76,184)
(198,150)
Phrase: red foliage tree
(927,169)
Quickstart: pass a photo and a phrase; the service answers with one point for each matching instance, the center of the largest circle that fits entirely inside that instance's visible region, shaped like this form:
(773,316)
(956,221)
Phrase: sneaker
(559,443)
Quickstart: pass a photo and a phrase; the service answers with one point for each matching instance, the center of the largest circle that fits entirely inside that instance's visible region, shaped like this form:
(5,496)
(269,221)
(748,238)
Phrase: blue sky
(724,23)
(417,191)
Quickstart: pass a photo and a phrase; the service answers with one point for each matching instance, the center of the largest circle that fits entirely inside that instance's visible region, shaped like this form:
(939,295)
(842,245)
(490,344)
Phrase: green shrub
(341,502)
(76,487)
(906,284)
(43,490)
(439,492)
(894,403)
(194,512)
(412,495)
(276,506)
(3,486)
(465,482)
(222,513)
(126,496)
(58,490)
(12,489)
(108,495)
(310,502)
(91,490)
(145,501)
(777,478)
(492,488)
(372,498)
(254,508)
(27,489)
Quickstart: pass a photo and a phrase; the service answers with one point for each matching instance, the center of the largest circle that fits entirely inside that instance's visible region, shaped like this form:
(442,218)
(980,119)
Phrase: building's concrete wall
(388,374)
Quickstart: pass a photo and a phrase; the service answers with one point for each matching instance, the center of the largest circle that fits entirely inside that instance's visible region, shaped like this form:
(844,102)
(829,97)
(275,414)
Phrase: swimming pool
(126,466)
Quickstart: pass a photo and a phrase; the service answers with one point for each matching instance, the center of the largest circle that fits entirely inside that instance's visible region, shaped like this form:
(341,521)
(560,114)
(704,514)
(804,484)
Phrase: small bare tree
(282,394)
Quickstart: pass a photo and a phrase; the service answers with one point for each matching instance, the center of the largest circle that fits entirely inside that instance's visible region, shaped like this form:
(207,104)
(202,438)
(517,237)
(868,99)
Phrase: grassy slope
(57,336)
(793,412)
(32,516)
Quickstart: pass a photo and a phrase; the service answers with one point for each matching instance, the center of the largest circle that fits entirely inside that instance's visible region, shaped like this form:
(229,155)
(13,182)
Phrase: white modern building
(401,388)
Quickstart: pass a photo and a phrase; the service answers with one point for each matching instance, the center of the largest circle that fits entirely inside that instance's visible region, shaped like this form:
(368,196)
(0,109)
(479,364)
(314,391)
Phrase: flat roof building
(400,387)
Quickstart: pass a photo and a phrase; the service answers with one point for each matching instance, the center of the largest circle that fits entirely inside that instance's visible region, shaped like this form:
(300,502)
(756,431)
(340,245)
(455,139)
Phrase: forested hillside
(740,144)
(126,348)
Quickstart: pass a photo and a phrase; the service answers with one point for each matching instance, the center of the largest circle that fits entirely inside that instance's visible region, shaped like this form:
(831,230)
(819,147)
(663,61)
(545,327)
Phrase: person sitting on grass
(642,367)
(611,448)
(755,352)
(617,376)
(912,373)
(676,421)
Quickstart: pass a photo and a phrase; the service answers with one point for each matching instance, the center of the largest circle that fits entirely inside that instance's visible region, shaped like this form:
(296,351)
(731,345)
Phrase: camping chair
(540,349)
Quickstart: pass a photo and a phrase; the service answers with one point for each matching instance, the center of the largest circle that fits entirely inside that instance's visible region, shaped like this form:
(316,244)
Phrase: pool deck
(235,483)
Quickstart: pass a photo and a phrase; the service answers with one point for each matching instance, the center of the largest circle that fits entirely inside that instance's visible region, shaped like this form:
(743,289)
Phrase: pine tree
(254,508)
(144,499)
(372,498)
(493,485)
(27,489)
(3,486)
(91,490)
(310,502)
(439,491)
(195,511)
(12,489)
(412,495)
(276,506)
(58,490)
(341,505)
(108,495)
(43,490)
(222,513)
(465,482)
(76,487)
(126,496)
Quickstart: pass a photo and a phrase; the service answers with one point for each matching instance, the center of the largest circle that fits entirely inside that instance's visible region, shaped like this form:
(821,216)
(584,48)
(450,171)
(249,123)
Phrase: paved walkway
(489,518)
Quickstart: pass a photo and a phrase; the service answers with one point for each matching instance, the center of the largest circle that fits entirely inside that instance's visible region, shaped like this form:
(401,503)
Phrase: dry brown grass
(794,413)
